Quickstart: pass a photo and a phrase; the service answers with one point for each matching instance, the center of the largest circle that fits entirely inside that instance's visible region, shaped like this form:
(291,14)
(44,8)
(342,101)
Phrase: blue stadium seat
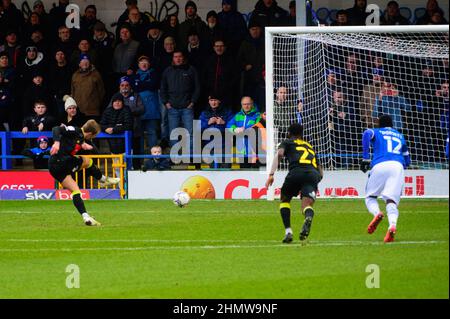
(406,12)
(419,13)
(323,15)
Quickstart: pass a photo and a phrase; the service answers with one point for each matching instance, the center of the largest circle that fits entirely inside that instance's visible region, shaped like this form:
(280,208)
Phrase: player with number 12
(390,157)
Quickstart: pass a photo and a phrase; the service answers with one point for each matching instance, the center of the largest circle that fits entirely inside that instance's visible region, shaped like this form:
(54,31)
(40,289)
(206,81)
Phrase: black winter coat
(180,85)
(60,80)
(121,121)
(220,76)
(273,16)
(32,122)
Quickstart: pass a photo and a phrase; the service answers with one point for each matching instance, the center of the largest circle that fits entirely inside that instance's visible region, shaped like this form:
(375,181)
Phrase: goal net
(337,80)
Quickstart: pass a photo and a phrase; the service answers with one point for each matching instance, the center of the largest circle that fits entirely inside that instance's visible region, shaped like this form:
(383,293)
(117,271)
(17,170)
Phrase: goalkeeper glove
(364,165)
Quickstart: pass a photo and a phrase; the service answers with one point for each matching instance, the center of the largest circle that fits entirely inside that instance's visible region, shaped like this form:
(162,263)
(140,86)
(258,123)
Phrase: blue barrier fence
(7,137)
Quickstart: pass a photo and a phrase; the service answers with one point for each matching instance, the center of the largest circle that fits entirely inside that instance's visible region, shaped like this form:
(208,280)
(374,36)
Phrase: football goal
(336,81)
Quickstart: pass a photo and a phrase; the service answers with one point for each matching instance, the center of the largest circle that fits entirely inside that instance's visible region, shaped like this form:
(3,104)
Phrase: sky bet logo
(39,195)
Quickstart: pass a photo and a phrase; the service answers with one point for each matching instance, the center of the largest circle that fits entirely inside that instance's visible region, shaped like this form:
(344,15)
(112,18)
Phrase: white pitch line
(187,210)
(208,247)
(140,240)
(350,242)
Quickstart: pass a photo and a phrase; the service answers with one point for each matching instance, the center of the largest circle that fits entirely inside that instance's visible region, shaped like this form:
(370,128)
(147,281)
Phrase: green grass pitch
(220,249)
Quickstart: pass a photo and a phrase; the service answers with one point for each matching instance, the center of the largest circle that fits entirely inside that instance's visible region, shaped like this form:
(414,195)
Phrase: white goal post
(337,80)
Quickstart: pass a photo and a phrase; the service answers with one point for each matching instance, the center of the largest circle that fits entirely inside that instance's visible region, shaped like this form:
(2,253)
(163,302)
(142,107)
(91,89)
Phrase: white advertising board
(250,184)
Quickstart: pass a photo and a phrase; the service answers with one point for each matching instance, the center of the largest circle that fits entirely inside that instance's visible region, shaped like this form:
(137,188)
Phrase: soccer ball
(181,199)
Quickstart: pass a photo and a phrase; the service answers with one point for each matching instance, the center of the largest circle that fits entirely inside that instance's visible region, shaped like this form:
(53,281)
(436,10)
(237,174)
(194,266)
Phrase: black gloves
(364,165)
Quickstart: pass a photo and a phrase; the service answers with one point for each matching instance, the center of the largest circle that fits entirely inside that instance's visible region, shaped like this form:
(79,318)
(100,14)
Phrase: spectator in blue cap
(133,101)
(37,153)
(88,89)
(84,48)
(84,56)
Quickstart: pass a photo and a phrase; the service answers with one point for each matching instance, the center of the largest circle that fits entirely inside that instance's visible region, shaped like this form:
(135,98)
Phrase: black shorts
(301,180)
(62,166)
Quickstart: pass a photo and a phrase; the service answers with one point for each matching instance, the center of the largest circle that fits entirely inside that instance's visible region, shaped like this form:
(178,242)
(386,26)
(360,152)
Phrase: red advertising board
(26,180)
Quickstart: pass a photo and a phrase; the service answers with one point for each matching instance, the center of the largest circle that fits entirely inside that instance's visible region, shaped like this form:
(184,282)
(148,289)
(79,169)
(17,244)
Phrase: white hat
(69,101)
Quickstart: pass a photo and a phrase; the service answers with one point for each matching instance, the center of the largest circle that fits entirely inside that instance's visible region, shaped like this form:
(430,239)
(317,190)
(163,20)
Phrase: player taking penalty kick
(303,177)
(63,162)
(386,177)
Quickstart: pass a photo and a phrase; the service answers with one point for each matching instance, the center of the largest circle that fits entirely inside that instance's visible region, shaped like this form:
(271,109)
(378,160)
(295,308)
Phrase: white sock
(372,206)
(392,212)
(85,216)
(103,179)
(289,231)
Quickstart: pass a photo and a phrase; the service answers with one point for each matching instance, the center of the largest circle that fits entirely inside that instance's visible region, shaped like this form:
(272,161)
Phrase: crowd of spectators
(151,77)
(390,15)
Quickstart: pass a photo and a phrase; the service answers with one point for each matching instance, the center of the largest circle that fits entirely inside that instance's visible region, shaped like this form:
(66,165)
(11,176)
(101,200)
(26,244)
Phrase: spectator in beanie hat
(88,88)
(214,30)
(72,116)
(233,24)
(193,21)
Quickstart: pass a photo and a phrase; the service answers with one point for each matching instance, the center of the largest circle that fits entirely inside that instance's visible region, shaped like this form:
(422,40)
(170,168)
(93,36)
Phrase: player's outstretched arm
(56,132)
(365,163)
(274,167)
(406,155)
(320,168)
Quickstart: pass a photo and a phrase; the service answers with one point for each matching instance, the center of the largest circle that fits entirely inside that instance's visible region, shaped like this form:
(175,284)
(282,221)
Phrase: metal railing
(109,165)
(7,137)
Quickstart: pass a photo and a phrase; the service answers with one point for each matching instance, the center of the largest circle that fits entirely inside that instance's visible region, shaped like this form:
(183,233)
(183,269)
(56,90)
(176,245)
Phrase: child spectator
(38,153)
(40,121)
(156,163)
